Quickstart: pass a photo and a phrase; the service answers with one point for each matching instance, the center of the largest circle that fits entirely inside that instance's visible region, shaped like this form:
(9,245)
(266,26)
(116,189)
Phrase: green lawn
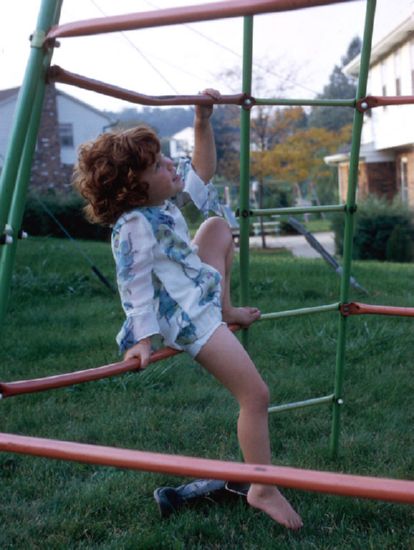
(61,318)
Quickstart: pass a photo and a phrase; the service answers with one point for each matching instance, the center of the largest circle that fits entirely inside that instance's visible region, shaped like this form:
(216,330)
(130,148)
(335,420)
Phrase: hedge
(383,231)
(46,214)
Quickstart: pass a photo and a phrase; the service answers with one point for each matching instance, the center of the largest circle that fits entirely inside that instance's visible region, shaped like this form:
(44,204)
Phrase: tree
(166,122)
(340,86)
(270,79)
(298,159)
(226,123)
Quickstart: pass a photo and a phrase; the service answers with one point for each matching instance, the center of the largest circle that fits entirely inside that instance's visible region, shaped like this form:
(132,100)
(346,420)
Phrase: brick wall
(47,170)
(377,178)
(382,179)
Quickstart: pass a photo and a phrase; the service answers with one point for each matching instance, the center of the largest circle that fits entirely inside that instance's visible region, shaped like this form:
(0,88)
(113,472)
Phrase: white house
(182,143)
(66,123)
(387,146)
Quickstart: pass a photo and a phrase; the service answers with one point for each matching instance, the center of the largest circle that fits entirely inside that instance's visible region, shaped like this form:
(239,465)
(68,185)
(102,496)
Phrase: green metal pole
(297,312)
(349,224)
(245,167)
(18,202)
(301,404)
(22,141)
(309,102)
(34,72)
(298,210)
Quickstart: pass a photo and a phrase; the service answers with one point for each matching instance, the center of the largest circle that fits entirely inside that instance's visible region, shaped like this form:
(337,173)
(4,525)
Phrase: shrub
(383,231)
(44,212)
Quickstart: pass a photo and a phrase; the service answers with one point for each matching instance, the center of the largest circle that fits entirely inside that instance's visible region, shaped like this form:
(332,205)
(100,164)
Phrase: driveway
(297,244)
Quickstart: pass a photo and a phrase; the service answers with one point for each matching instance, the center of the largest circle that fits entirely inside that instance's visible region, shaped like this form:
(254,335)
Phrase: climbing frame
(16,171)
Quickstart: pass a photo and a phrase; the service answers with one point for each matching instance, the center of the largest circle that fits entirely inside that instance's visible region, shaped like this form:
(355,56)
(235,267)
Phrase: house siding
(387,126)
(7,110)
(87,124)
(387,144)
(52,164)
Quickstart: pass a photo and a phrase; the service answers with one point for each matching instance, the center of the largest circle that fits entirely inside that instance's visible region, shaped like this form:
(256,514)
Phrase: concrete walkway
(297,244)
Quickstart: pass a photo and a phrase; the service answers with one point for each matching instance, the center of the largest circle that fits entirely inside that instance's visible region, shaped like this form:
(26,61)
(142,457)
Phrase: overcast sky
(187,58)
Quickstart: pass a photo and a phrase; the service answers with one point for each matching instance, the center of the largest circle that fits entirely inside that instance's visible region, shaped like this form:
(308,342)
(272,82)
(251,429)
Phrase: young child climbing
(174,287)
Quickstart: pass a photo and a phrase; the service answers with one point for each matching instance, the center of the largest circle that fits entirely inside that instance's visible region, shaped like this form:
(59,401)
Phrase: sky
(296,50)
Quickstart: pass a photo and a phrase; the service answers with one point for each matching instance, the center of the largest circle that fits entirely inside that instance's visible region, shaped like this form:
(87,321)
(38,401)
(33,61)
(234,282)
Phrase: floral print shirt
(164,286)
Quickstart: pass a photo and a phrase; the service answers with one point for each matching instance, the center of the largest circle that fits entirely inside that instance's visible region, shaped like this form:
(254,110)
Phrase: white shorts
(195,348)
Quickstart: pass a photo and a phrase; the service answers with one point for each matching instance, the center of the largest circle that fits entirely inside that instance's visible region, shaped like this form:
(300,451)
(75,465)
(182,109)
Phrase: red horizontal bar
(356,308)
(185,14)
(308,480)
(8,389)
(57,74)
(371,101)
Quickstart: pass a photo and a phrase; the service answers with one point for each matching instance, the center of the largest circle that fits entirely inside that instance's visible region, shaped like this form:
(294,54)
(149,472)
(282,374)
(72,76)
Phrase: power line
(154,68)
(237,54)
(266,70)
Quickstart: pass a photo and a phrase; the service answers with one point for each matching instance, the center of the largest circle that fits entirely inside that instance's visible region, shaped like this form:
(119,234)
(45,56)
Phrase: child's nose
(169,163)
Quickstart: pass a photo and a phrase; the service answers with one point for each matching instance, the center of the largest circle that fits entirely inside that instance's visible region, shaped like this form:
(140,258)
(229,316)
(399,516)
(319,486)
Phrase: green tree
(270,79)
(298,159)
(166,122)
(226,125)
(340,86)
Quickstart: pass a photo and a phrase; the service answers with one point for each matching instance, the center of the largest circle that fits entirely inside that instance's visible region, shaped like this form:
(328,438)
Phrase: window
(66,134)
(404,179)
(397,72)
(384,79)
(412,65)
(397,86)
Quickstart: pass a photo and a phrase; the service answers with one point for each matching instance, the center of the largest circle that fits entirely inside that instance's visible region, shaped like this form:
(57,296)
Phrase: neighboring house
(66,123)
(387,147)
(182,143)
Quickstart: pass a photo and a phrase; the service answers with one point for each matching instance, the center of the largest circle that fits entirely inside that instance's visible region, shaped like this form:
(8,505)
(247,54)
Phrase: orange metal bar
(309,480)
(356,308)
(9,389)
(57,74)
(185,14)
(371,101)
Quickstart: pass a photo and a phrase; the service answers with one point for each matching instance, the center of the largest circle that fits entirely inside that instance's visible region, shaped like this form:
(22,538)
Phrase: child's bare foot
(243,316)
(272,502)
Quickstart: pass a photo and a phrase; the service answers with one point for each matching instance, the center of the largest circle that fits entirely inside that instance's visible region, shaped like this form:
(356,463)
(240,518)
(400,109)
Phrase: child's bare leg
(216,248)
(225,358)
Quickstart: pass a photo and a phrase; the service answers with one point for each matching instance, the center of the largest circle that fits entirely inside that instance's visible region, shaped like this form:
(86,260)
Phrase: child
(172,287)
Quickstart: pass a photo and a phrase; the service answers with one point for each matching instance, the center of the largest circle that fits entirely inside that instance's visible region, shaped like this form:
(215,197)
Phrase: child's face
(163,181)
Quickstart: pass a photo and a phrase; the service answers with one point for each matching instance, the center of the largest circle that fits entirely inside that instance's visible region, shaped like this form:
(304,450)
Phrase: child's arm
(132,243)
(204,156)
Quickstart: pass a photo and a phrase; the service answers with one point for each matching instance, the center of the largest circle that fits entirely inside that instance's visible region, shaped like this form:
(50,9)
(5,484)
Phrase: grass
(61,318)
(319,225)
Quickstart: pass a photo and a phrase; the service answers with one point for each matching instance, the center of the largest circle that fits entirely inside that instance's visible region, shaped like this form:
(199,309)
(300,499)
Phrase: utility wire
(95,270)
(154,68)
(237,54)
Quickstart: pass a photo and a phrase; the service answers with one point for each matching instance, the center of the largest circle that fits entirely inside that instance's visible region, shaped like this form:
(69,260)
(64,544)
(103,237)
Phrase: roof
(11,92)
(6,94)
(86,105)
(402,33)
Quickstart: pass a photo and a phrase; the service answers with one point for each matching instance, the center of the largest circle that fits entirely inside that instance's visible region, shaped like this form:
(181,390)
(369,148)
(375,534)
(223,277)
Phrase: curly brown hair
(108,172)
